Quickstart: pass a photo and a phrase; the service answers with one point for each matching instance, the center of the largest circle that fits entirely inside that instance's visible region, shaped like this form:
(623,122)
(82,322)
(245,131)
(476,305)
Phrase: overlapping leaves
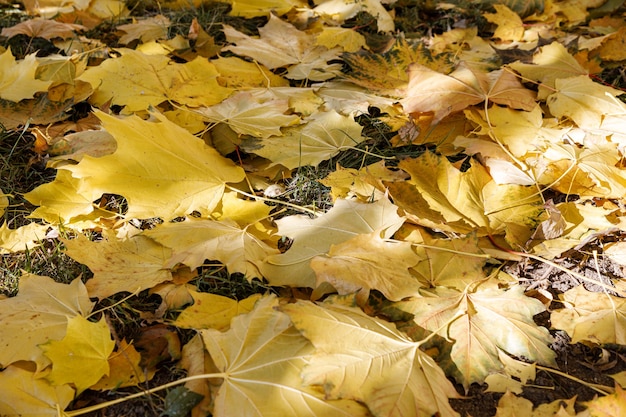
(415,232)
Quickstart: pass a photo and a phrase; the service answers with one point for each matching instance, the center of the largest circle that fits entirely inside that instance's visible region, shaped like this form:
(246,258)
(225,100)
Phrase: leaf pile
(387,297)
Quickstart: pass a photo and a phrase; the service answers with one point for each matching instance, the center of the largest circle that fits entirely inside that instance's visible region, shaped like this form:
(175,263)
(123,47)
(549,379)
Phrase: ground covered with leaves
(312,208)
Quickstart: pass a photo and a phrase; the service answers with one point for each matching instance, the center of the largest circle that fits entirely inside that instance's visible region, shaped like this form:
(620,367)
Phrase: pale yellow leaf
(85,346)
(323,136)
(367,359)
(510,25)
(255,8)
(23,238)
(133,264)
(488,321)
(312,237)
(444,94)
(249,115)
(368,262)
(138,81)
(38,313)
(591,316)
(148,29)
(342,10)
(348,39)
(23,394)
(124,369)
(212,311)
(261,358)
(160,168)
(241,75)
(17,78)
(196,240)
(282,45)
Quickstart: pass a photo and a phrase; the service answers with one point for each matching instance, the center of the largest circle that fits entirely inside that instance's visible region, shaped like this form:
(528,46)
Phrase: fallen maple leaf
(212,311)
(312,237)
(132,265)
(124,369)
(25,394)
(368,262)
(86,345)
(250,115)
(323,136)
(43,28)
(510,25)
(166,187)
(196,240)
(39,313)
(23,238)
(137,81)
(444,94)
(591,316)
(511,405)
(486,321)
(282,45)
(341,10)
(146,30)
(261,358)
(610,405)
(365,359)
(254,8)
(17,79)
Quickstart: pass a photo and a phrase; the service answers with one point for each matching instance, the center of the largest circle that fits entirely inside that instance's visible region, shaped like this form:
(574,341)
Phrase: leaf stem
(100,406)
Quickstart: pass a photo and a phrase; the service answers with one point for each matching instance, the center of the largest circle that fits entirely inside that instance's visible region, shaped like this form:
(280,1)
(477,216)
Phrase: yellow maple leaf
(241,75)
(138,81)
(24,394)
(132,264)
(609,405)
(196,240)
(511,405)
(323,136)
(212,311)
(550,63)
(489,320)
(4,202)
(341,10)
(348,39)
(149,29)
(166,187)
(124,369)
(589,104)
(282,45)
(86,346)
(510,25)
(255,8)
(365,183)
(591,316)
(312,237)
(260,359)
(17,79)
(23,238)
(249,114)
(444,94)
(43,28)
(369,360)
(367,262)
(38,313)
